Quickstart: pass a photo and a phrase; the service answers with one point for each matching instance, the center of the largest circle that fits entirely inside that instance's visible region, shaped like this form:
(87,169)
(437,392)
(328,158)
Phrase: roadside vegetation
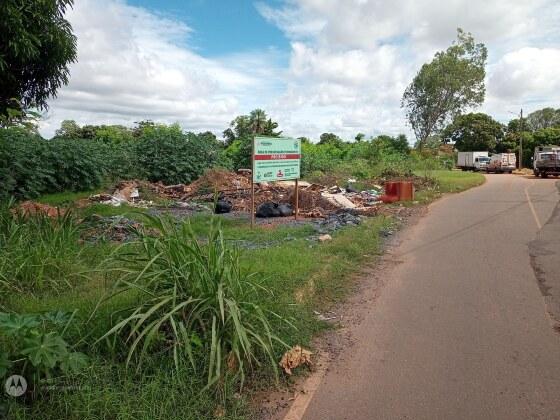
(183,317)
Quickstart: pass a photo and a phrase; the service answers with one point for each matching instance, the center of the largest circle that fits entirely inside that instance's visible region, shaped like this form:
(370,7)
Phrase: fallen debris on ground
(223,191)
(112,228)
(32,208)
(295,357)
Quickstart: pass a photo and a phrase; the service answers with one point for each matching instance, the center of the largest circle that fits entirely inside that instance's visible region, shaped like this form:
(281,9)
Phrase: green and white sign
(276,159)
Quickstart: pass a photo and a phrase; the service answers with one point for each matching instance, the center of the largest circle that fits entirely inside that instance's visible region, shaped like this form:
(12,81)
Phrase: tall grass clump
(193,303)
(38,253)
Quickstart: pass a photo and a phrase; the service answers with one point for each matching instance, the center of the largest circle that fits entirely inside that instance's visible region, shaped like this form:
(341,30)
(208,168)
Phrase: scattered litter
(322,317)
(324,238)
(223,206)
(274,199)
(271,209)
(295,357)
(337,221)
(113,228)
(338,199)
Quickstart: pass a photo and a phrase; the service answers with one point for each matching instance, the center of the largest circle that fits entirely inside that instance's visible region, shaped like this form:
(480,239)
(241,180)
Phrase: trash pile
(336,221)
(113,228)
(295,357)
(222,191)
(126,192)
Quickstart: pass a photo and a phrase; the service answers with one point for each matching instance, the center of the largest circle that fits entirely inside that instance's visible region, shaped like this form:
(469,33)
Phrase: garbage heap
(232,191)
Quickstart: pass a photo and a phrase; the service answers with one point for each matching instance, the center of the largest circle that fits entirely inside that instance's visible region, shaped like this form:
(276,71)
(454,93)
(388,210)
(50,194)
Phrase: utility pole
(521,140)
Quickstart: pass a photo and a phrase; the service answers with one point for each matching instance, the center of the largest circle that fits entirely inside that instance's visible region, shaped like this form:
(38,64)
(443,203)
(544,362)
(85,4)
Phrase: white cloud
(528,73)
(134,65)
(349,62)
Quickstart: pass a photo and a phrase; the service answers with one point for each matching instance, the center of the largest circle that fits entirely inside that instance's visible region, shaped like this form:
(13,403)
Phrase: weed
(193,298)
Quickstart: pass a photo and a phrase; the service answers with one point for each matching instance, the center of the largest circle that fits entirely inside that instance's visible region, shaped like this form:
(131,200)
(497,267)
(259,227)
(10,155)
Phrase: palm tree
(257,121)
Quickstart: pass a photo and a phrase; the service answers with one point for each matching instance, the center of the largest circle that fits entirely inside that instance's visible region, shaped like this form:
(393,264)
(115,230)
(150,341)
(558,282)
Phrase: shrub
(37,252)
(169,155)
(34,347)
(193,300)
(31,166)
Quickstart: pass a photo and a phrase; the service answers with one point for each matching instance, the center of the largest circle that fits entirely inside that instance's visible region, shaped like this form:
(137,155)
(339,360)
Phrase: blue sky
(220,26)
(314,65)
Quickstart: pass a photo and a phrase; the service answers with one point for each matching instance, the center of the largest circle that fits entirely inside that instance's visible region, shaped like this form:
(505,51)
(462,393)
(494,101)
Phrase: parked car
(546,161)
(502,162)
(474,161)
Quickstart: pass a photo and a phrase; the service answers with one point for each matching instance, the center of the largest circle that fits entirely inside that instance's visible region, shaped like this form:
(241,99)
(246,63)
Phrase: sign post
(275,159)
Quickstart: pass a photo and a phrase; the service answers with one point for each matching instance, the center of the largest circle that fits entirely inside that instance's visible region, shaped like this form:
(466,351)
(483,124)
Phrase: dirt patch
(32,208)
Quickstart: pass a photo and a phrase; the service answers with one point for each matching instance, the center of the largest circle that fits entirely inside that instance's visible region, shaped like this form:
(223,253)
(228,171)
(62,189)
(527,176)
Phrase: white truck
(473,161)
(546,161)
(502,162)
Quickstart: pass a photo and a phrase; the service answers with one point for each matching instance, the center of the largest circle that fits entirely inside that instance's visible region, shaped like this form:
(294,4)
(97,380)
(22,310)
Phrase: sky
(315,66)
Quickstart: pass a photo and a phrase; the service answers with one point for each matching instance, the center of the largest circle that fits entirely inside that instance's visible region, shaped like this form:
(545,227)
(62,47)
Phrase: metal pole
(253,184)
(297,200)
(521,141)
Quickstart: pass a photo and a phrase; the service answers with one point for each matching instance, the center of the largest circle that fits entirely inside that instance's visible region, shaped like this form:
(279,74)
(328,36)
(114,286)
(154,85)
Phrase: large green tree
(444,88)
(36,47)
(544,118)
(239,136)
(472,132)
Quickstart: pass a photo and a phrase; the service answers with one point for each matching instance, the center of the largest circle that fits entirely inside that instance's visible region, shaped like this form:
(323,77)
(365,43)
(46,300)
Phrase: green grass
(66,198)
(448,182)
(303,275)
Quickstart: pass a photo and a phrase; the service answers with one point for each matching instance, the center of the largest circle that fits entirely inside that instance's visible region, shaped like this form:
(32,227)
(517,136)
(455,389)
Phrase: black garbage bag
(223,206)
(271,209)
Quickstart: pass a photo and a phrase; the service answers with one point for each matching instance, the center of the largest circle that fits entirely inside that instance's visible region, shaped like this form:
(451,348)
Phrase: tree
(36,47)
(544,118)
(359,137)
(69,129)
(332,139)
(452,82)
(472,132)
(239,136)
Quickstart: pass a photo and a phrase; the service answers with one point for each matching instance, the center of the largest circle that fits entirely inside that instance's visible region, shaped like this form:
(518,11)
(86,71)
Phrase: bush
(34,347)
(167,154)
(193,300)
(38,253)
(31,166)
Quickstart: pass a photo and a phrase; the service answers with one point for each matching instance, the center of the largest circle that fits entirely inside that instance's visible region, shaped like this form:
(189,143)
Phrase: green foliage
(331,139)
(33,346)
(543,119)
(472,132)
(36,47)
(165,153)
(239,136)
(37,253)
(334,158)
(193,300)
(452,82)
(30,166)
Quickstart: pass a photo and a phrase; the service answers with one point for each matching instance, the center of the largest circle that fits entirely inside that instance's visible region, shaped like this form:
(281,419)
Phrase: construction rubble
(225,192)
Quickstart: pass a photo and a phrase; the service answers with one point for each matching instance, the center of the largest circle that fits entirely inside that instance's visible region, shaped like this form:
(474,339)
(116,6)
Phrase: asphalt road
(463,329)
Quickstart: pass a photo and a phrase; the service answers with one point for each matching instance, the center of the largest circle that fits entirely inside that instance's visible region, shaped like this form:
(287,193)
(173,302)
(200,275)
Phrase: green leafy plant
(193,301)
(34,346)
(37,252)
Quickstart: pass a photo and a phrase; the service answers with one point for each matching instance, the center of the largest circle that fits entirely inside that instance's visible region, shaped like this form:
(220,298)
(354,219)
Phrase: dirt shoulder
(366,287)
